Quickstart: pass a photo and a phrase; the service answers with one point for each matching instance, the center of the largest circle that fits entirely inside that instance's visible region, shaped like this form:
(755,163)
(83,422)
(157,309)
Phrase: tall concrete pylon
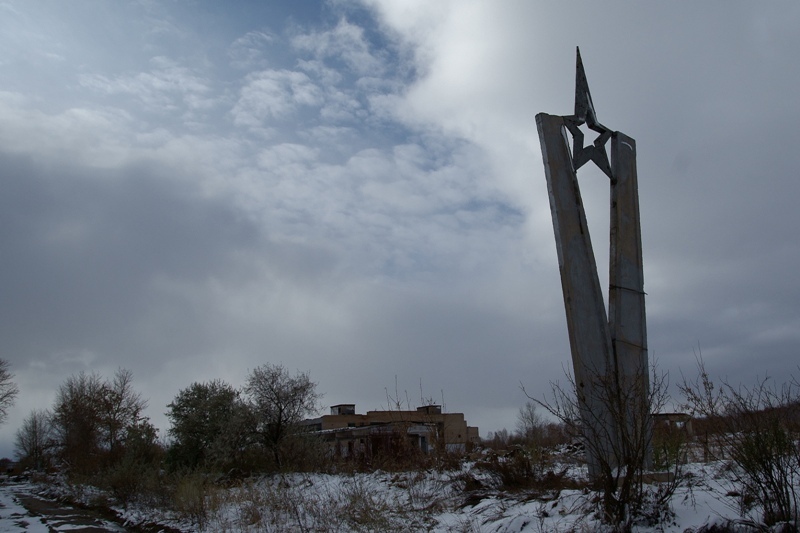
(609,352)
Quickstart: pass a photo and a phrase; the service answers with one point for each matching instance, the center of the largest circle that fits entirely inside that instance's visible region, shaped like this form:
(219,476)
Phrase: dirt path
(61,517)
(22,510)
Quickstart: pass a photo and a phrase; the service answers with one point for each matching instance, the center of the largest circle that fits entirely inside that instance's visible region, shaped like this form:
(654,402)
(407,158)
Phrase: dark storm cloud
(82,248)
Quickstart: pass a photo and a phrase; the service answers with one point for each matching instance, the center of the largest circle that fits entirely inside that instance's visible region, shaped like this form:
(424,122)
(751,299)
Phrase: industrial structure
(424,430)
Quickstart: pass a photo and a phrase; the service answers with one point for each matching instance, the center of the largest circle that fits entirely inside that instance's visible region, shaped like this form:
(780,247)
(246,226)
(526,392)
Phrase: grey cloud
(703,91)
(133,267)
(83,248)
(393,220)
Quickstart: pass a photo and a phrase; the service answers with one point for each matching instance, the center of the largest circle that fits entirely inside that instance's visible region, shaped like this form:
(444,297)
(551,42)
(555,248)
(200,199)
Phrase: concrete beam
(589,334)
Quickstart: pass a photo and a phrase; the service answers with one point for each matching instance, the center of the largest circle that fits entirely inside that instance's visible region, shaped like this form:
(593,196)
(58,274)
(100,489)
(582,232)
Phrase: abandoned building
(424,430)
(665,422)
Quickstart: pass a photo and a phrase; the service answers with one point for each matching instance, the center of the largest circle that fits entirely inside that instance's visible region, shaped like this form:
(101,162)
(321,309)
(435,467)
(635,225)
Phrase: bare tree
(121,408)
(8,389)
(529,423)
(280,402)
(76,420)
(622,444)
(91,418)
(34,437)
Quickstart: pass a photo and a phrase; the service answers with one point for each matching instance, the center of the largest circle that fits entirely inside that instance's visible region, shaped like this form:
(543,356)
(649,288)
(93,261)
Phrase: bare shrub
(195,498)
(669,446)
(499,440)
(622,444)
(363,508)
(554,434)
(530,424)
(297,502)
(528,468)
(250,502)
(34,440)
(135,476)
(757,429)
(306,453)
(124,480)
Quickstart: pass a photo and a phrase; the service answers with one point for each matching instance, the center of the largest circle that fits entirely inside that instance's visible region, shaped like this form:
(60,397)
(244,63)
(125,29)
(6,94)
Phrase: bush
(131,481)
(669,447)
(125,480)
(524,468)
(757,430)
(194,497)
(617,438)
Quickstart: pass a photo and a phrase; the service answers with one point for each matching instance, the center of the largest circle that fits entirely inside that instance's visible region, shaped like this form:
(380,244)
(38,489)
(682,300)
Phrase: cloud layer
(357,191)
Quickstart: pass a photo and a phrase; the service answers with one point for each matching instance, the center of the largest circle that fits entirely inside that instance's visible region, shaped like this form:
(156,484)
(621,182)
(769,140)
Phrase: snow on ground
(22,509)
(14,517)
(435,501)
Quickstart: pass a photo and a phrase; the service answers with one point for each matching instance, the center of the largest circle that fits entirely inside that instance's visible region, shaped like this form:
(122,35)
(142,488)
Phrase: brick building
(425,429)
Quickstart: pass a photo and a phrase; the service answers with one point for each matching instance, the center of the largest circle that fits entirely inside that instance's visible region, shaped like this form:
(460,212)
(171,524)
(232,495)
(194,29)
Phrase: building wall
(452,430)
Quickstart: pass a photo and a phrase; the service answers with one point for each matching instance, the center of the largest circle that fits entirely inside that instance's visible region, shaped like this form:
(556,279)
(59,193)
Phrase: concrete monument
(609,352)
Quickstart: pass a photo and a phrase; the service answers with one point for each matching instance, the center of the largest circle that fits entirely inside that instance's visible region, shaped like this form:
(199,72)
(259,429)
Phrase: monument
(609,352)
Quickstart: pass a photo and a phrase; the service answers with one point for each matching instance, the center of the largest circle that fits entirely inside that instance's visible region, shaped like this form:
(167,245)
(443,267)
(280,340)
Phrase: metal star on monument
(585,114)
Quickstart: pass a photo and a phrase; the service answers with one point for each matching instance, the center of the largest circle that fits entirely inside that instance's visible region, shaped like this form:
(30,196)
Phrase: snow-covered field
(438,501)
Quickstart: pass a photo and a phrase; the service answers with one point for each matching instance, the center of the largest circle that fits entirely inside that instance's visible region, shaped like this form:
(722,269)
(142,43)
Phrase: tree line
(97,427)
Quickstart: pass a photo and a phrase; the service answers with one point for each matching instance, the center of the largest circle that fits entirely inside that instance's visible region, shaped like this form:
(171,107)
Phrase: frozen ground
(437,502)
(21,509)
(13,516)
(409,501)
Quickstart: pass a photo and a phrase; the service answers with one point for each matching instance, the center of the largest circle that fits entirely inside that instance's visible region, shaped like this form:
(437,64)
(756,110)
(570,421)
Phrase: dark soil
(81,518)
(57,515)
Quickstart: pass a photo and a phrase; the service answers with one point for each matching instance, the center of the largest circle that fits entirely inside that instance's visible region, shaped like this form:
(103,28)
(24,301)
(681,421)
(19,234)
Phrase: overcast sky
(190,189)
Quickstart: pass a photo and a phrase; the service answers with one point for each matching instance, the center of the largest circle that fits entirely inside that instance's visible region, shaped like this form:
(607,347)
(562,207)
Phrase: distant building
(426,429)
(672,421)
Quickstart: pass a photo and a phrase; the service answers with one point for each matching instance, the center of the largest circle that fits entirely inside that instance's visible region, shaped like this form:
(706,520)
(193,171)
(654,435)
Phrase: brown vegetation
(756,429)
